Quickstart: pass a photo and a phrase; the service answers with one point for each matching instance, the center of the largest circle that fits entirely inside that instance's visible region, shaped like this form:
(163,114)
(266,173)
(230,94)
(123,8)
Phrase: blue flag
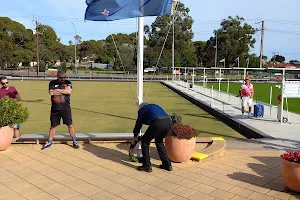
(109,10)
(236,59)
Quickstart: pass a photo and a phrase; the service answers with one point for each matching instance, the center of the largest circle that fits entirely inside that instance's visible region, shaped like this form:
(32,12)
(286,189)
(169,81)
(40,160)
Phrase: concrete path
(102,171)
(280,136)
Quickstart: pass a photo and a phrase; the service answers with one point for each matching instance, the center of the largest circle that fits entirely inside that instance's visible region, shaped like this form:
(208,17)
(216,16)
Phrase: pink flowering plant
(292,156)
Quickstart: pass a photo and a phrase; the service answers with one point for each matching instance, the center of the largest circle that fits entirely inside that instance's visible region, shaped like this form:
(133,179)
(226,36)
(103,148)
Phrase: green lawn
(262,92)
(109,107)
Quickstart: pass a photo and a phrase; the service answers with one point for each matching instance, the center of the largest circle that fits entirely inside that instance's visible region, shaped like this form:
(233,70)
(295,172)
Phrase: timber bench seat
(86,137)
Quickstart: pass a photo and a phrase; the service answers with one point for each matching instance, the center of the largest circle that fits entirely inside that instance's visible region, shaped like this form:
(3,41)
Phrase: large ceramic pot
(6,137)
(179,150)
(291,175)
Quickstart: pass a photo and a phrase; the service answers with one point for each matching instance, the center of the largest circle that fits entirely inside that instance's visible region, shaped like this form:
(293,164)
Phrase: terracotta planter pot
(6,136)
(179,150)
(291,175)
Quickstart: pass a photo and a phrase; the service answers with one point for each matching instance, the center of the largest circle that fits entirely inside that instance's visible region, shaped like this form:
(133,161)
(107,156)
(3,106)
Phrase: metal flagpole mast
(75,61)
(282,96)
(37,48)
(262,44)
(248,62)
(140,60)
(216,53)
(173,46)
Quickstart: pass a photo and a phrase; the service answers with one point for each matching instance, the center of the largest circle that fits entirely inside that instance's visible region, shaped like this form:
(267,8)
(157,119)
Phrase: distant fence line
(133,78)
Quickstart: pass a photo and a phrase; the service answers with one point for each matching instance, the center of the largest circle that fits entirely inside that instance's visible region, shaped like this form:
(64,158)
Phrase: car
(146,70)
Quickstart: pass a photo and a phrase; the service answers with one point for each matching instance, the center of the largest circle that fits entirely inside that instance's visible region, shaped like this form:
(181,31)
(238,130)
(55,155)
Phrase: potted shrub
(291,170)
(12,112)
(180,141)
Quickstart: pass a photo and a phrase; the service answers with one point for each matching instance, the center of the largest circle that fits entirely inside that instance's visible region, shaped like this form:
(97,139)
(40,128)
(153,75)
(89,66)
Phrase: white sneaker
(47,145)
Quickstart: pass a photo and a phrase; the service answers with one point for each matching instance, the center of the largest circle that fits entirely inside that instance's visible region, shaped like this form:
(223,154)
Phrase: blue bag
(259,110)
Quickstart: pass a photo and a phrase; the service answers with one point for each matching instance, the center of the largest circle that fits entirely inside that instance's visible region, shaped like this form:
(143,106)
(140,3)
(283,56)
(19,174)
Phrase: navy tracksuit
(159,125)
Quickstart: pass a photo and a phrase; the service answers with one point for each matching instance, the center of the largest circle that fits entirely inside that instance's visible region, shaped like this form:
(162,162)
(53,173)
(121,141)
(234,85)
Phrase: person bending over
(159,125)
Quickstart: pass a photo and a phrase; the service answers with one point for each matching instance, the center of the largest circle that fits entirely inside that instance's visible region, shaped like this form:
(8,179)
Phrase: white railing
(220,96)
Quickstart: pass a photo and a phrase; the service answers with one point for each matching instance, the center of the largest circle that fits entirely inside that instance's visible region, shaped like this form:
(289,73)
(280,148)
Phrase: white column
(140,61)
(193,76)
(282,98)
(140,58)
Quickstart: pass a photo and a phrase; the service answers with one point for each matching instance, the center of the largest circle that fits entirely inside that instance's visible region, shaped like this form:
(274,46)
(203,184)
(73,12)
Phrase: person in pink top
(246,93)
(12,93)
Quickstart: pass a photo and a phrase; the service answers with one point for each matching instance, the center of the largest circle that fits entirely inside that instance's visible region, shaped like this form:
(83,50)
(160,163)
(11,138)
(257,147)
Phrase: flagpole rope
(135,98)
(170,26)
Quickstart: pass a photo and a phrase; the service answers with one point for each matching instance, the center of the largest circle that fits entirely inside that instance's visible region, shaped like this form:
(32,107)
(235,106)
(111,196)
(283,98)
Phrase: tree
(127,56)
(88,49)
(63,67)
(265,58)
(49,43)
(235,38)
(293,61)
(125,44)
(42,67)
(78,39)
(200,46)
(209,53)
(66,53)
(278,58)
(183,36)
(16,43)
(254,61)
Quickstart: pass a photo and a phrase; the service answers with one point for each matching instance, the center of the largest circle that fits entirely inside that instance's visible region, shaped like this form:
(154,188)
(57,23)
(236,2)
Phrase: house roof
(284,65)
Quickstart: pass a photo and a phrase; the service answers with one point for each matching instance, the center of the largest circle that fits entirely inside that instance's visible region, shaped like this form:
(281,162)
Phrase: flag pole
(248,63)
(140,61)
(140,58)
(173,46)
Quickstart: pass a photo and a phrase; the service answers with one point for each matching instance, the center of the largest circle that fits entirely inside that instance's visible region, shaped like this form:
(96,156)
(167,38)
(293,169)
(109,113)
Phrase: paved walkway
(286,136)
(102,171)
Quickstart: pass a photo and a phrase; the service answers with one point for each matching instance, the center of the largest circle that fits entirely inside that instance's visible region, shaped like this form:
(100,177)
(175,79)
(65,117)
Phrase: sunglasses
(62,77)
(4,83)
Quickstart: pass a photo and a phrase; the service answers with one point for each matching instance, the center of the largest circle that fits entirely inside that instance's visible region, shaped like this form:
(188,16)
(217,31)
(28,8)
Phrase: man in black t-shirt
(60,91)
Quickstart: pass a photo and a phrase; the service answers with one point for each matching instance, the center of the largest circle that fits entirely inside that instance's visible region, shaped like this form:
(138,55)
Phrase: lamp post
(75,62)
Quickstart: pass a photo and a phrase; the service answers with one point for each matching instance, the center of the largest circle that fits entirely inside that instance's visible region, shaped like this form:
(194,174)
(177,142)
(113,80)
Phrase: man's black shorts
(56,115)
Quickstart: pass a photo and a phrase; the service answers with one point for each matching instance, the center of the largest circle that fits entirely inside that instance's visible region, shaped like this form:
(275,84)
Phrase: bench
(86,137)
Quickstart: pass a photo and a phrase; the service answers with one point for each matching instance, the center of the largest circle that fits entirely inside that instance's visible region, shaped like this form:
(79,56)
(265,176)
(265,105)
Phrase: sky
(282,34)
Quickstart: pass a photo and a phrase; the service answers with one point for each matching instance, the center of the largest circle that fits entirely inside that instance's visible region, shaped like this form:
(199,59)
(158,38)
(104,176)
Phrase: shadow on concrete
(109,154)
(268,175)
(153,150)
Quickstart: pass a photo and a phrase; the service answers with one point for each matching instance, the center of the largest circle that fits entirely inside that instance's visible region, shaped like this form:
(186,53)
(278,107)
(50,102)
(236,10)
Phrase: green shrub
(63,67)
(12,112)
(176,118)
(42,67)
